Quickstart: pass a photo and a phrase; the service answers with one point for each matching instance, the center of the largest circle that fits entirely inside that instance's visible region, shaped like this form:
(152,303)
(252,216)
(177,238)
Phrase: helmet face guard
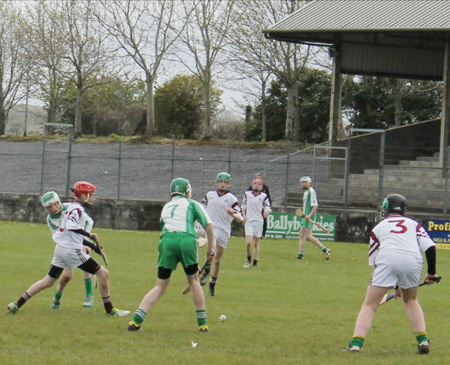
(49,199)
(393,203)
(84,187)
(223,181)
(306,179)
(257,184)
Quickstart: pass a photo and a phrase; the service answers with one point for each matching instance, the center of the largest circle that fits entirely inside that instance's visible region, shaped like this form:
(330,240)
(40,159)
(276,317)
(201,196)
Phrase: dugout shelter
(391,38)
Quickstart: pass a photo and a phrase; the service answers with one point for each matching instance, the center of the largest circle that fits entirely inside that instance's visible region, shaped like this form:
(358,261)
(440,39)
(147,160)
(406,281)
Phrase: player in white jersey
(69,253)
(223,207)
(255,207)
(52,203)
(395,252)
(178,243)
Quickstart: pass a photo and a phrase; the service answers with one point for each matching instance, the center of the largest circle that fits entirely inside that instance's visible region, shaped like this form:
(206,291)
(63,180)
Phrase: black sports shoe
(133,326)
(424,347)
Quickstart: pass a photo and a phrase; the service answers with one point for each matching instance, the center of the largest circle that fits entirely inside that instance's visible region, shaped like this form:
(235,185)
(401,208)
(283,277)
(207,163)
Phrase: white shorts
(254,228)
(397,268)
(69,258)
(222,237)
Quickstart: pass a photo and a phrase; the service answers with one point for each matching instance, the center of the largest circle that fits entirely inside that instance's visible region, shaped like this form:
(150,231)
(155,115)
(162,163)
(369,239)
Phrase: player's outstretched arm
(236,214)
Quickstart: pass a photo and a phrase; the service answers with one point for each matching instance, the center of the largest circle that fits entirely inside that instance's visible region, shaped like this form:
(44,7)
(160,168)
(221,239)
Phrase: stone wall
(352,226)
(108,213)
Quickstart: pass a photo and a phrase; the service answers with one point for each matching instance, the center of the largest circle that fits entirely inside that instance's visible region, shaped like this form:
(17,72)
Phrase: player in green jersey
(178,244)
(310,206)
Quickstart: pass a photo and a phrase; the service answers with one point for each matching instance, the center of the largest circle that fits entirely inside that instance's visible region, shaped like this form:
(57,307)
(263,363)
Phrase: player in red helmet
(69,253)
(82,188)
(255,207)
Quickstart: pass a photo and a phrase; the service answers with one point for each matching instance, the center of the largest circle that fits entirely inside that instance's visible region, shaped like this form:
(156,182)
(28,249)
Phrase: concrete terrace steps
(420,181)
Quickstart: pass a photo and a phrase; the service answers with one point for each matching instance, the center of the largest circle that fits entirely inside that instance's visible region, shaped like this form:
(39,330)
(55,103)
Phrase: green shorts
(177,247)
(305,223)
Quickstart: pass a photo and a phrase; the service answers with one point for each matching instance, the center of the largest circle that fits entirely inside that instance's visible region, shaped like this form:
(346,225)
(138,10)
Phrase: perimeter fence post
(119,172)
(43,162)
(381,169)
(173,161)
(69,160)
(286,187)
(230,148)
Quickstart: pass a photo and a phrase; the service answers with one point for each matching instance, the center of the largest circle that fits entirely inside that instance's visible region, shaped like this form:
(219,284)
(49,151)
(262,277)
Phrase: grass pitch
(285,312)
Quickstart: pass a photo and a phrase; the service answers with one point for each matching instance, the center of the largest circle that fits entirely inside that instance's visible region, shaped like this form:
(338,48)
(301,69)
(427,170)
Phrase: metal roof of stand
(392,38)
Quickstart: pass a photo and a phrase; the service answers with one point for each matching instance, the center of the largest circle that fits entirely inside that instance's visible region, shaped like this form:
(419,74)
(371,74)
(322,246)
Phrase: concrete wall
(353,226)
(108,213)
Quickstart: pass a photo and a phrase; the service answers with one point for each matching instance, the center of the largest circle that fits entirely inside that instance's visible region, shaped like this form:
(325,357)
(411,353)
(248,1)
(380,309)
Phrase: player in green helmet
(223,207)
(178,243)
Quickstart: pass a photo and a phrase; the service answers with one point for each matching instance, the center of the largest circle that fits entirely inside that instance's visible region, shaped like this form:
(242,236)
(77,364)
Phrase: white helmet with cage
(49,198)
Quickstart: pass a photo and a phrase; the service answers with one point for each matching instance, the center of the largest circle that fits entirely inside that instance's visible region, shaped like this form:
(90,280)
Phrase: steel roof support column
(336,95)
(445,118)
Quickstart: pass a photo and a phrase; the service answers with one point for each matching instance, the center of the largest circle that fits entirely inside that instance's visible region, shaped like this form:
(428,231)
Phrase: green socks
(421,336)
(324,249)
(139,316)
(357,341)
(58,295)
(88,283)
(201,317)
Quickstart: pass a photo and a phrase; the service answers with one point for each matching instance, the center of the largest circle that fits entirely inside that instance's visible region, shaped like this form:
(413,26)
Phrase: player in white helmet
(52,203)
(69,253)
(310,206)
(223,207)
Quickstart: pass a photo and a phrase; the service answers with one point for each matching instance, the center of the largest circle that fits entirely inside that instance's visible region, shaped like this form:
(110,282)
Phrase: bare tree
(206,38)
(13,64)
(284,60)
(46,46)
(254,84)
(146,32)
(87,52)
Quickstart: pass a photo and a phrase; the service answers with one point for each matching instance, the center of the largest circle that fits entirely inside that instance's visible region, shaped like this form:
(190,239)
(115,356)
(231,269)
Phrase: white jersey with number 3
(400,234)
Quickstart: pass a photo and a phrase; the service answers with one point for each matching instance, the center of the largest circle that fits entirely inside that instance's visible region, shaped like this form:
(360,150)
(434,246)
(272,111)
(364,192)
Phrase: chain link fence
(143,172)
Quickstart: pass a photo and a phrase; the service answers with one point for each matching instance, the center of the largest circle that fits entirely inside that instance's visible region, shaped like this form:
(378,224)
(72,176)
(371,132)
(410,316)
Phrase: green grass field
(285,312)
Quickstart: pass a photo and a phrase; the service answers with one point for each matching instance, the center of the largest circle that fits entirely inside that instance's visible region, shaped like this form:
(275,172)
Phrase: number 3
(400,225)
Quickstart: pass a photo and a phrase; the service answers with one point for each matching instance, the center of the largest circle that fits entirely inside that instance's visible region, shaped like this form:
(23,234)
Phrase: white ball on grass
(223,318)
